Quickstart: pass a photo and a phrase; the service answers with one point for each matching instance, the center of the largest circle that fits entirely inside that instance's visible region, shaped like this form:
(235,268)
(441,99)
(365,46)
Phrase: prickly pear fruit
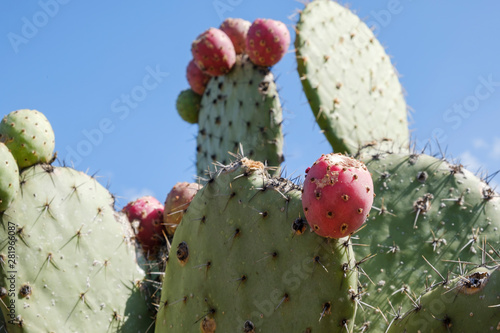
(237,30)
(338,195)
(149,213)
(29,136)
(214,52)
(267,41)
(9,177)
(177,203)
(197,79)
(188,105)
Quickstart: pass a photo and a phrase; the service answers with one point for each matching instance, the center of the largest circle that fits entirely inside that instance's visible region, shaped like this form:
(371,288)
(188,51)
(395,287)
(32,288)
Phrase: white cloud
(495,150)
(470,161)
(479,143)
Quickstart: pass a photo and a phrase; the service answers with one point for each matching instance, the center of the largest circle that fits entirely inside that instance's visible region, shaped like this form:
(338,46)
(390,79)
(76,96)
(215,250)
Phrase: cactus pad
(246,262)
(348,79)
(428,214)
(468,303)
(9,177)
(74,268)
(241,107)
(29,136)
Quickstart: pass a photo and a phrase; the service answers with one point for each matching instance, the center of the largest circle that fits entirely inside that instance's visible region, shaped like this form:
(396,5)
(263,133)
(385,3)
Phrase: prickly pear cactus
(468,303)
(348,78)
(29,136)
(241,107)
(428,214)
(246,261)
(67,261)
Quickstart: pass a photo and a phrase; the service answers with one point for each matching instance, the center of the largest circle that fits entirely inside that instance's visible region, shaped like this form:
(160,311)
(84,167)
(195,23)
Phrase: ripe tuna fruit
(177,203)
(214,52)
(149,213)
(267,42)
(236,29)
(338,195)
(197,79)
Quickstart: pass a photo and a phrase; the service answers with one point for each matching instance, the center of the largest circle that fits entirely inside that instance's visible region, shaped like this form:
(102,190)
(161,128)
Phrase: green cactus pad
(29,136)
(348,79)
(241,107)
(9,177)
(67,259)
(426,212)
(468,303)
(188,105)
(246,262)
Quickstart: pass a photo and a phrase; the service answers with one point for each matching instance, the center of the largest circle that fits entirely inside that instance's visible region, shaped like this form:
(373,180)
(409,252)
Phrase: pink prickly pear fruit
(267,41)
(236,29)
(214,52)
(149,213)
(177,203)
(197,79)
(338,195)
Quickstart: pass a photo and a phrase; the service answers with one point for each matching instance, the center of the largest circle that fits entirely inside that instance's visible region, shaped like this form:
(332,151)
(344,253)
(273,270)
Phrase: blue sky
(77,61)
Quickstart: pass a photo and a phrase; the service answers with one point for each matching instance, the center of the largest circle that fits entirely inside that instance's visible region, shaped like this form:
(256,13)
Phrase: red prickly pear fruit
(236,29)
(149,213)
(338,195)
(177,203)
(197,79)
(214,52)
(267,41)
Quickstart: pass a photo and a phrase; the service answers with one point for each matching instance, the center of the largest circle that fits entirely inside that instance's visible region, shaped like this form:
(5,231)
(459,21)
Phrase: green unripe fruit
(188,105)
